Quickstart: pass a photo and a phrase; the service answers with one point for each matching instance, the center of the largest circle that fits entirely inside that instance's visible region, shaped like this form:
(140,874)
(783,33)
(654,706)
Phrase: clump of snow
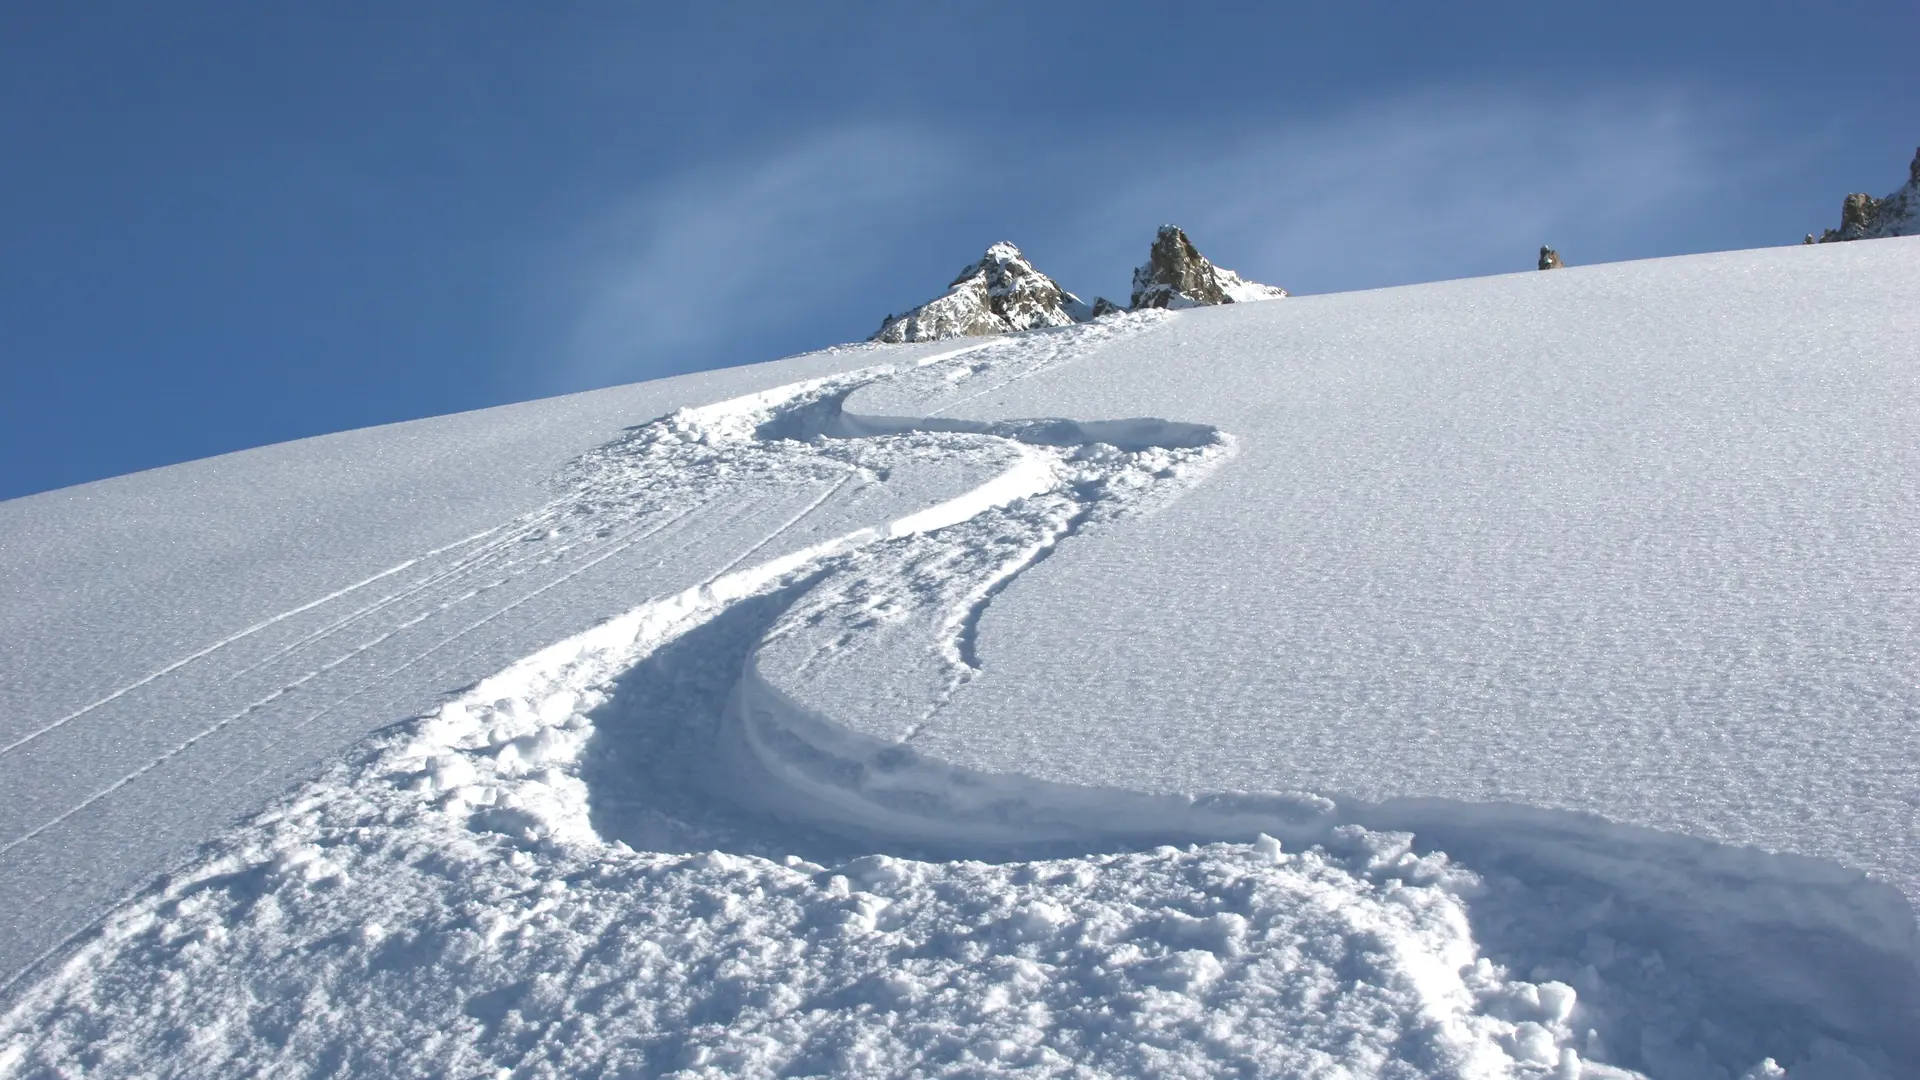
(437,950)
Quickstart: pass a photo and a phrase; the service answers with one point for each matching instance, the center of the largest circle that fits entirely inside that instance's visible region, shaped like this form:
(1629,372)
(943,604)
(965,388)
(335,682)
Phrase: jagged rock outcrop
(999,293)
(1002,292)
(1176,275)
(1550,259)
(1863,217)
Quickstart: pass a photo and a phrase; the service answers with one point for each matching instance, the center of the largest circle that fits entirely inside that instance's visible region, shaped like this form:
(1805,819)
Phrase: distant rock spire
(1863,217)
(999,293)
(1176,275)
(1550,259)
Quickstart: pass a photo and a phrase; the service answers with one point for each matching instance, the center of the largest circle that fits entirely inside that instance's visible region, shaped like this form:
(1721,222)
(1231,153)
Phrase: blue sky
(228,225)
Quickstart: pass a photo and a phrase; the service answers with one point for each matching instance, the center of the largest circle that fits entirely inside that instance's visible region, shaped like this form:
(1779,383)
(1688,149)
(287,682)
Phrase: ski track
(962,633)
(789,524)
(229,640)
(493,785)
(1046,363)
(379,679)
(627,540)
(438,577)
(536,524)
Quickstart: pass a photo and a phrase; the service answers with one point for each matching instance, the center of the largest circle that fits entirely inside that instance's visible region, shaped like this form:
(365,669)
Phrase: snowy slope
(1534,529)
(1496,678)
(185,643)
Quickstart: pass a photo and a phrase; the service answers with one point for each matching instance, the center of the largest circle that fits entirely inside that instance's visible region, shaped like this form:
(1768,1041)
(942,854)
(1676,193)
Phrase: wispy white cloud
(742,260)
(665,281)
(1421,188)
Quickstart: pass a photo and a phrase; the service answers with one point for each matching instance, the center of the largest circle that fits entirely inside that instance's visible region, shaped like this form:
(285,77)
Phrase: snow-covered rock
(1000,292)
(1003,292)
(1863,217)
(1176,275)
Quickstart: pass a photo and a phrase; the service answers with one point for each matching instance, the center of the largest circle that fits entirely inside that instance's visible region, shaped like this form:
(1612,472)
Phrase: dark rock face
(1863,217)
(1103,306)
(1176,275)
(1175,267)
(999,293)
(1550,259)
(1858,212)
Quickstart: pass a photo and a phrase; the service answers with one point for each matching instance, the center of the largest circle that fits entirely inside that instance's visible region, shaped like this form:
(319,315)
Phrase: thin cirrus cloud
(1423,188)
(721,258)
(743,262)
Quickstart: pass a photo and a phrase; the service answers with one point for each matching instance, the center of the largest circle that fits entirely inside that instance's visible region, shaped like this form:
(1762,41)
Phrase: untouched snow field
(1497,678)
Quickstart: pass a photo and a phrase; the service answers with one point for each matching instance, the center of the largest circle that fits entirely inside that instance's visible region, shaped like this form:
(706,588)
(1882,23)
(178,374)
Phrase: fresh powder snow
(1497,678)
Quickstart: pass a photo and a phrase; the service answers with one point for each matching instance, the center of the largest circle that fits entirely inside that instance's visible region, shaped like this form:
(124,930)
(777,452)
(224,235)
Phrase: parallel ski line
(464,631)
(67,941)
(232,718)
(790,523)
(224,642)
(806,556)
(440,577)
(444,606)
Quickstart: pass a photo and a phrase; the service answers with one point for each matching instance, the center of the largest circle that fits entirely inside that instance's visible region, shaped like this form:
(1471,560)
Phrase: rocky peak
(998,293)
(1001,292)
(1550,259)
(1863,217)
(1176,275)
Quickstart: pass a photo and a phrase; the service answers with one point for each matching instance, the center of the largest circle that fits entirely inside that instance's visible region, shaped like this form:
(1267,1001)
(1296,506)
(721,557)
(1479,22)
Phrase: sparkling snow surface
(1642,540)
(1499,678)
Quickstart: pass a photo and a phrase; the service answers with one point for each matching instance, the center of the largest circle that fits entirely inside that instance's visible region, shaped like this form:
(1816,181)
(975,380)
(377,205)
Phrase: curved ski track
(506,756)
